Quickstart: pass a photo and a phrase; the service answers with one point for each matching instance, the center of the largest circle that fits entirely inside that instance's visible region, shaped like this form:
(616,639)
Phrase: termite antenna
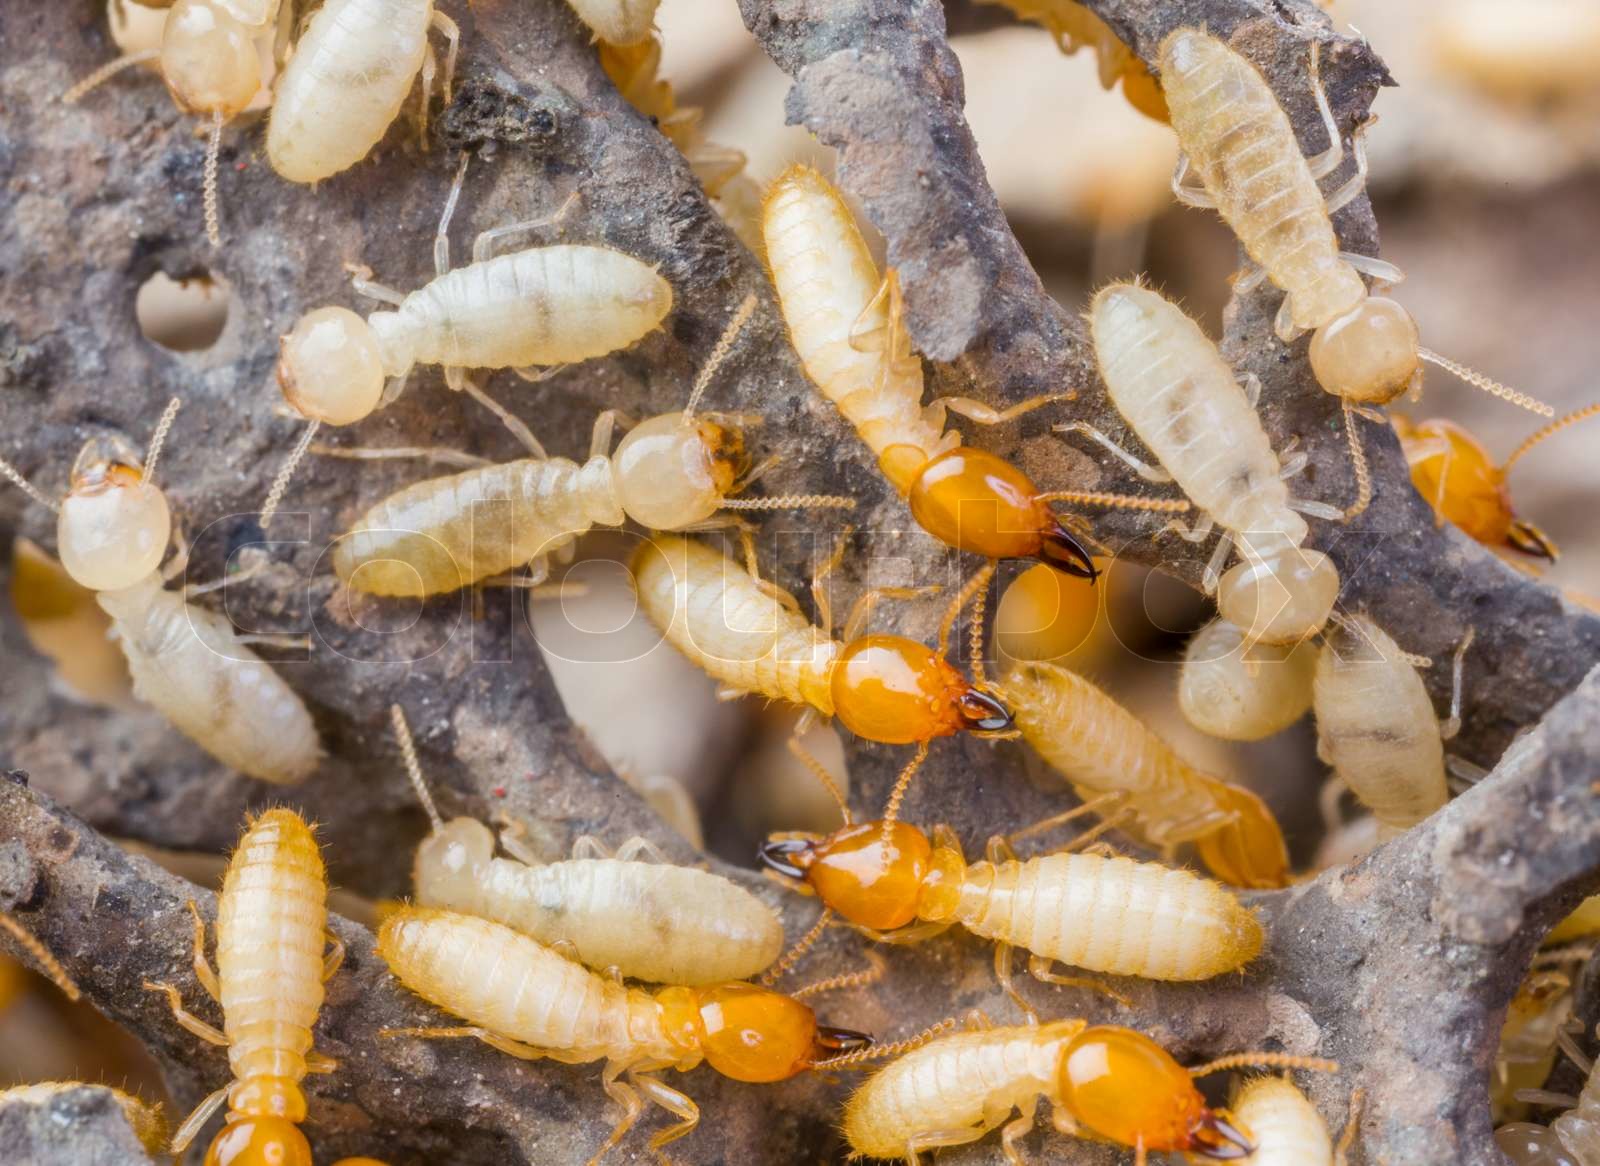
(51,966)
(1264,1061)
(1493,387)
(1550,430)
(107,71)
(719,353)
(14,476)
(891,811)
(291,463)
(1120,501)
(408,749)
(1358,460)
(976,585)
(1352,1126)
(159,439)
(213,148)
(875,970)
(790,502)
(794,955)
(824,778)
(879,1052)
(975,634)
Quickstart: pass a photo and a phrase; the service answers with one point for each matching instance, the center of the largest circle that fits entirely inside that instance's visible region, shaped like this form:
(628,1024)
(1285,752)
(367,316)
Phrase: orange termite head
(899,692)
(850,871)
(259,1141)
(750,1033)
(1249,851)
(1125,1087)
(978,502)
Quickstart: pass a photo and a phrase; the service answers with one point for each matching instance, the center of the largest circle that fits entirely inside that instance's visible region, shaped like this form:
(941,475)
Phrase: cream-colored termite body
(348,78)
(1102,748)
(1172,386)
(271,933)
(1243,693)
(1242,146)
(185,661)
(649,920)
(146,1120)
(1285,1126)
(1376,725)
(1574,1137)
(621,22)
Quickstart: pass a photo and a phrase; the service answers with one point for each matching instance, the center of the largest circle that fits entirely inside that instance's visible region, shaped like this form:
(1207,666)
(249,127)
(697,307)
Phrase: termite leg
(1003,973)
(1328,161)
(625,1096)
(1186,194)
(1139,466)
(1061,1121)
(944,837)
(567,950)
(1014,1131)
(929,1140)
(393,387)
(438,453)
(1352,1127)
(295,643)
(631,849)
(319,1063)
(487,244)
(202,966)
(513,838)
(1042,968)
(588,846)
(605,427)
(1252,389)
(1346,193)
(1466,774)
(537,374)
(861,609)
(1198,533)
(362,283)
(988,415)
(494,1040)
(1328,799)
(673,1102)
(1283,325)
(430,65)
(196,1120)
(1249,279)
(1317,509)
(441,234)
(976,1020)
(334,958)
(179,563)
(1451,725)
(448,29)
(191,590)
(510,420)
(186,1018)
(819,589)
(903,936)
(1380,270)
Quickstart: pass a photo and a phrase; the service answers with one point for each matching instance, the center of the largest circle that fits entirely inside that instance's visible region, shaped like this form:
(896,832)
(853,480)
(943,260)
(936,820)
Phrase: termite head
(330,367)
(114,526)
(1128,1089)
(981,503)
(750,1033)
(1249,851)
(1370,354)
(672,472)
(450,863)
(1279,592)
(867,883)
(259,1141)
(208,59)
(897,691)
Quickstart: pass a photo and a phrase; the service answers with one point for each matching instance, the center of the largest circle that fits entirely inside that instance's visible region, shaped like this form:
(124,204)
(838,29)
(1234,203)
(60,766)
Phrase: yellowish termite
(1074,27)
(537,306)
(145,1118)
(112,533)
(648,920)
(1536,1021)
(1103,749)
(1103,1082)
(670,472)
(1242,147)
(351,71)
(1282,1122)
(271,933)
(524,999)
(618,22)
(1574,1137)
(1243,692)
(1376,725)
(1179,396)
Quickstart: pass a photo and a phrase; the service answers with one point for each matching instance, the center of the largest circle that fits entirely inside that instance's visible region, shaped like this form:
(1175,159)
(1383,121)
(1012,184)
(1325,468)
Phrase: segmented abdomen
(668,924)
(271,921)
(953,1082)
(445,533)
(619,21)
(505,982)
(828,289)
(345,84)
(1286,1128)
(1172,386)
(1243,148)
(1376,726)
(713,612)
(187,663)
(1101,747)
(1111,915)
(540,305)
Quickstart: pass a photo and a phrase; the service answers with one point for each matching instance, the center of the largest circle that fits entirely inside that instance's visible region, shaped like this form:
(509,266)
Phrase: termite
(351,71)
(271,929)
(1459,479)
(524,999)
(618,22)
(1536,1020)
(1574,1137)
(1179,396)
(148,1123)
(209,63)
(845,322)
(634,70)
(670,472)
(520,309)
(1073,27)
(1376,726)
(1103,914)
(1286,1128)
(1238,139)
(1104,1082)
(1243,692)
(112,532)
(1104,750)
(649,920)
(882,688)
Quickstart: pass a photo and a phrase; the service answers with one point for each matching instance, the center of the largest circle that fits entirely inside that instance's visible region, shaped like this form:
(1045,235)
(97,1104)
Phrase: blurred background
(1485,181)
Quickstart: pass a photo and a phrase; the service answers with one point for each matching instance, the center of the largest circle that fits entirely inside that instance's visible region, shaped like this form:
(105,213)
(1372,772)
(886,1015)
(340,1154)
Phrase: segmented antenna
(879,1052)
(1493,387)
(280,484)
(1121,501)
(1549,430)
(408,749)
(793,956)
(973,586)
(1264,1061)
(891,812)
(213,148)
(107,71)
(719,354)
(874,971)
(159,439)
(14,476)
(820,772)
(1358,460)
(51,966)
(789,502)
